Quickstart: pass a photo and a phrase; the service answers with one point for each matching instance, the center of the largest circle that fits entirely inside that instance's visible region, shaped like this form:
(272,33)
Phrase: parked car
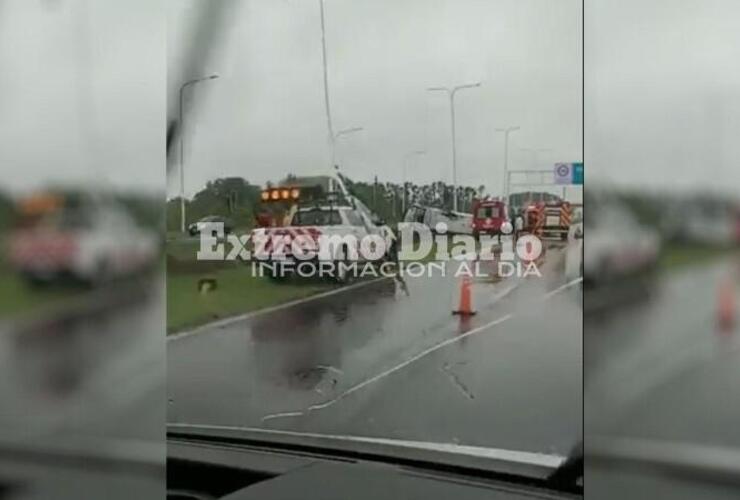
(618,246)
(195,228)
(456,222)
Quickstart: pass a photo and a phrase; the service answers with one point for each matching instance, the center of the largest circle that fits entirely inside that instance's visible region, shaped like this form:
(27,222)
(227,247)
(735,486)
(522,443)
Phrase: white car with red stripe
(618,246)
(91,244)
(346,225)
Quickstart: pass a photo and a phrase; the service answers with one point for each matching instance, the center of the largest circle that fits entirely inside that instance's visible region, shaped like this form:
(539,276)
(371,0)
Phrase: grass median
(682,255)
(237,290)
(18,298)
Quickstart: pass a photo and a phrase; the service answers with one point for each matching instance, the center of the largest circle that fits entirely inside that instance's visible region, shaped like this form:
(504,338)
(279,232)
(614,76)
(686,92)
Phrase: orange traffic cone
(726,306)
(466,307)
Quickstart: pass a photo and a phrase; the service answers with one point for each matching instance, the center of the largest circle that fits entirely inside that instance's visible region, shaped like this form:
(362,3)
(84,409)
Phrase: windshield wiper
(569,475)
(529,468)
(137,457)
(680,459)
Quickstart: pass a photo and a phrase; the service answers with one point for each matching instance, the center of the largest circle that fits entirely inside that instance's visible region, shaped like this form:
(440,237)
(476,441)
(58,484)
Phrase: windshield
(661,265)
(317,217)
(391,345)
(489,212)
(82,295)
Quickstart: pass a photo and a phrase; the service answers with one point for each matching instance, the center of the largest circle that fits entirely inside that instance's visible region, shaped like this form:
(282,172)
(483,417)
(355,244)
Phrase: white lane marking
(242,317)
(416,357)
(524,457)
(497,297)
(562,287)
(426,352)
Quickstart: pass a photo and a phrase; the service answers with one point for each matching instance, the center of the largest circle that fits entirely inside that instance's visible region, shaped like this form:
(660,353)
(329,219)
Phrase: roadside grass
(183,249)
(675,255)
(18,298)
(237,291)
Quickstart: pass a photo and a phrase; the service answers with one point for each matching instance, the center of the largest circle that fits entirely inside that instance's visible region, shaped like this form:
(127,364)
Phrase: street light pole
(506,131)
(405,165)
(181,119)
(327,106)
(336,137)
(451,93)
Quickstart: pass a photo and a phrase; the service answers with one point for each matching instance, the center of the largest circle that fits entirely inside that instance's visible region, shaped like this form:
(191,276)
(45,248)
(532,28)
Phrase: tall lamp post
(506,131)
(451,91)
(339,134)
(182,140)
(327,104)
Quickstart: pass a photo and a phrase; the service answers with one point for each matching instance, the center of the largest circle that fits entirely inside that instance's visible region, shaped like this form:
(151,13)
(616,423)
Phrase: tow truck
(62,238)
(302,212)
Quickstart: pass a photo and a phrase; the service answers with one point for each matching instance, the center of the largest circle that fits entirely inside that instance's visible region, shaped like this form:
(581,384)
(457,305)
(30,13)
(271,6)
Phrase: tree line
(238,199)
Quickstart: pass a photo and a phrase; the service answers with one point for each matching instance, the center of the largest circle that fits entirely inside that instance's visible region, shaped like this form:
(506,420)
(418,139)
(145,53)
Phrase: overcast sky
(663,93)
(82,93)
(264,117)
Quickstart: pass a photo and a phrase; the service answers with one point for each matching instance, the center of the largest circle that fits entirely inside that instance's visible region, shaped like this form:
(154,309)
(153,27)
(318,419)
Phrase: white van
(457,222)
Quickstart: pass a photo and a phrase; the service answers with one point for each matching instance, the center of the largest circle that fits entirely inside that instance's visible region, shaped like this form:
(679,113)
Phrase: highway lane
(660,371)
(92,371)
(661,368)
(355,363)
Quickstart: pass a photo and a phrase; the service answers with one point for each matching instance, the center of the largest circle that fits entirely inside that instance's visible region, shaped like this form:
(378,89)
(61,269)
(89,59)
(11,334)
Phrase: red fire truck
(548,218)
(489,216)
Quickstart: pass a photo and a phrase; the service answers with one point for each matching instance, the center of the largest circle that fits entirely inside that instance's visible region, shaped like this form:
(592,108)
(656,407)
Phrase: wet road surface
(385,361)
(661,372)
(94,372)
(661,368)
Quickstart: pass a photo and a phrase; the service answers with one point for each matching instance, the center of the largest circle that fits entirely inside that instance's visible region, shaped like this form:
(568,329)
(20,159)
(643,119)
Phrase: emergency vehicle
(304,211)
(490,216)
(548,218)
(61,238)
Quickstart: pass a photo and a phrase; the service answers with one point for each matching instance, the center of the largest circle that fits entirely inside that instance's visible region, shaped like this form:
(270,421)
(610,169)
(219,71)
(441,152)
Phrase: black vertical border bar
(583,241)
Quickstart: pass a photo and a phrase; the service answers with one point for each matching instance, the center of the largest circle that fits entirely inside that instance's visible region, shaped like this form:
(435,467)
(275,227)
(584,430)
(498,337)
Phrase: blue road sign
(578,173)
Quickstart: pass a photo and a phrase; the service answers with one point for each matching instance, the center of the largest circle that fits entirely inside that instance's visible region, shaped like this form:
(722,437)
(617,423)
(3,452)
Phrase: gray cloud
(264,117)
(82,93)
(662,98)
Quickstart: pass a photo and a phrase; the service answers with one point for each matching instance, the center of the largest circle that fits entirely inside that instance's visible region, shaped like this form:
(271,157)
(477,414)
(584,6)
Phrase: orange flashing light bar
(280,194)
(39,204)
